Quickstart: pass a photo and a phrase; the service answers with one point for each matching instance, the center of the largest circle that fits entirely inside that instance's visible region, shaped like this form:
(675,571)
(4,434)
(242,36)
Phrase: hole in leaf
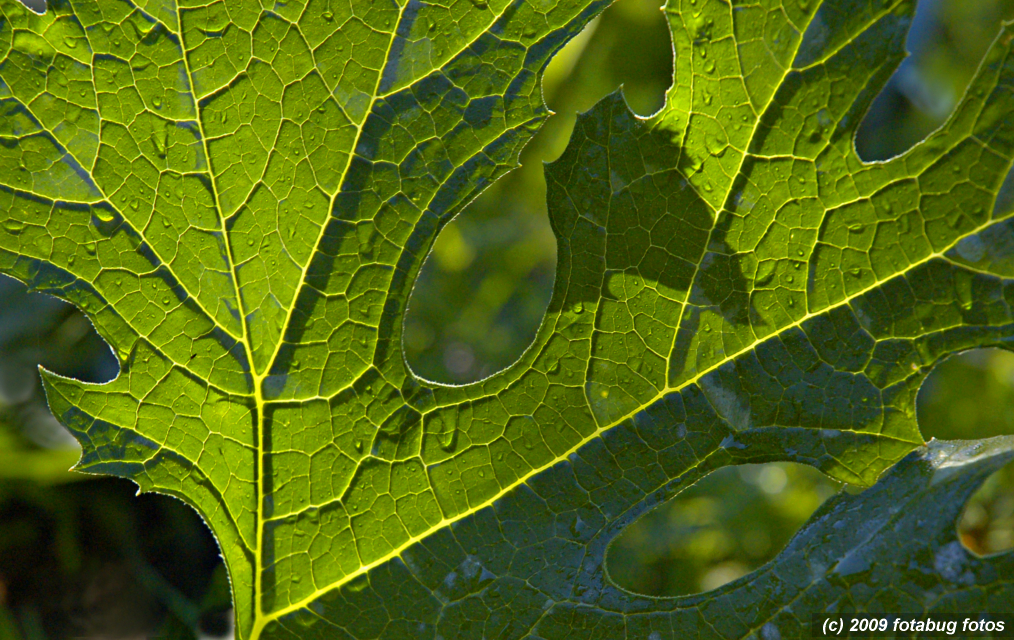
(35,6)
(970,396)
(947,41)
(986,526)
(726,525)
(486,284)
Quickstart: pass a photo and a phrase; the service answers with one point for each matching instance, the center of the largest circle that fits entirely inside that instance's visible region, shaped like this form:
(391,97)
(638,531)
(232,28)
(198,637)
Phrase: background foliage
(115,561)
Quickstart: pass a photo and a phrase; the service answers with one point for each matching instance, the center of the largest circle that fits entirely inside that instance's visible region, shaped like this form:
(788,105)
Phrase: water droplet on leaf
(448,439)
(14,227)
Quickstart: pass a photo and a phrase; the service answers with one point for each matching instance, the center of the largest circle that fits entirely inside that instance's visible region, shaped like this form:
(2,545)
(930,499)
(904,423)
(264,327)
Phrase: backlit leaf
(241,196)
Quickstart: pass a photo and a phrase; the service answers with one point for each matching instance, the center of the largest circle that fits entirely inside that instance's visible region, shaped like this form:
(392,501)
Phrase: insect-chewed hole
(727,524)
(986,526)
(968,396)
(486,284)
(35,6)
(947,41)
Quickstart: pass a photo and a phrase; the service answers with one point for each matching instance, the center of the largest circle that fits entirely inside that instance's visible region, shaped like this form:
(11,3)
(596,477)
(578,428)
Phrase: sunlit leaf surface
(240,198)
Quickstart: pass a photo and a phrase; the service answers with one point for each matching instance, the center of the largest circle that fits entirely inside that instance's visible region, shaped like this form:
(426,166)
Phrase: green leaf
(240,198)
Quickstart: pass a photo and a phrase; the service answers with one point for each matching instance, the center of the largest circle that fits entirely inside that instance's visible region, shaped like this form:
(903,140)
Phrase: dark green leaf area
(495,574)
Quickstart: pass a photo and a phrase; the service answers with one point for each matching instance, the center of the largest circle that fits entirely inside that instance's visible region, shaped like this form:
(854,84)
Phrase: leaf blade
(259,332)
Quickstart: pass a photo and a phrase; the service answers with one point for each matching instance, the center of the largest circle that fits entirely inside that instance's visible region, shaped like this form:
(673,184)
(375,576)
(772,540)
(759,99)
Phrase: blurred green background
(86,557)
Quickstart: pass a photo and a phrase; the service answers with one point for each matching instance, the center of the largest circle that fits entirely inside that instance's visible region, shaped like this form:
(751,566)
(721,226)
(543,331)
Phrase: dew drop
(716,147)
(14,227)
(327,15)
(449,439)
(963,288)
(157,102)
(358,584)
(135,204)
(576,527)
(160,142)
